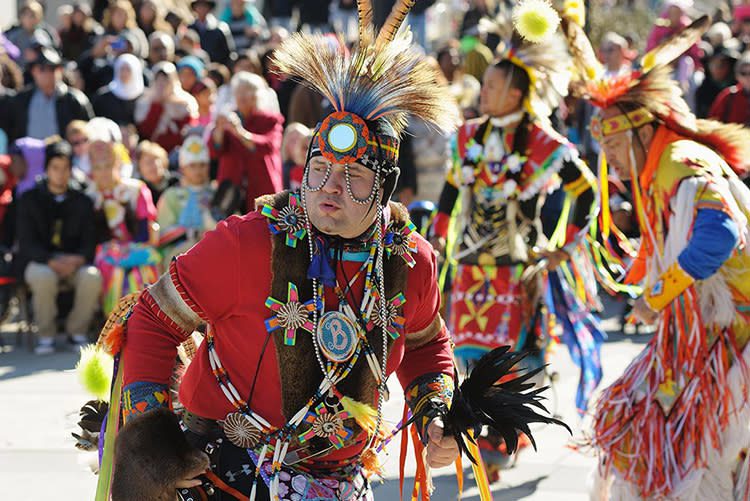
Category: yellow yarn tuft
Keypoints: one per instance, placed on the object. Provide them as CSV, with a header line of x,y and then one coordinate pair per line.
x,y
364,414
95,371
535,20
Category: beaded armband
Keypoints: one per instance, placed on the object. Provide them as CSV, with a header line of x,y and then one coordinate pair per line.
x,y
141,397
428,397
671,284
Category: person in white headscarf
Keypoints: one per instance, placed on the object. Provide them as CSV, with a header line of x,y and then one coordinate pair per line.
x,y
116,101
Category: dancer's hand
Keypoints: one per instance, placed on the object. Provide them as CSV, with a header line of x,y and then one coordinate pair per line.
x,y
643,312
441,451
554,258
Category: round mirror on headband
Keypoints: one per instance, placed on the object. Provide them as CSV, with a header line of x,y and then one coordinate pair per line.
x,y
343,137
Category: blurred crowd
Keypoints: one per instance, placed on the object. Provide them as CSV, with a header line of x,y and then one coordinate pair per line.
x,y
128,129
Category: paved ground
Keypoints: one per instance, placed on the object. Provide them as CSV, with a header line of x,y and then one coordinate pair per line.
x,y
40,396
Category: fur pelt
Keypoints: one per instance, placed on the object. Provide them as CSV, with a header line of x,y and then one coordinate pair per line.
x,y
290,265
151,456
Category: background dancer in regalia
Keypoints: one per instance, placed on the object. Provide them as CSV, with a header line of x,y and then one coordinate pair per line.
x,y
675,424
507,287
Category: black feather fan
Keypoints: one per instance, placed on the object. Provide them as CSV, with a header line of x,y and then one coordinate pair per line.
x,y
498,395
92,415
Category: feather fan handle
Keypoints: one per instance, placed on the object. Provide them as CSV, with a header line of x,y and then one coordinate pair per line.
x,y
364,11
500,395
393,23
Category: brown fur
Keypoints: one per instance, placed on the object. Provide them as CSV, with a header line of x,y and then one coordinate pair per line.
x,y
151,456
300,374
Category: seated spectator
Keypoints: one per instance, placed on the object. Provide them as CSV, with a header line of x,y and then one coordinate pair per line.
x,y
81,34
204,92
190,69
27,155
6,98
104,127
56,243
733,103
294,148
720,75
9,174
614,53
117,100
78,137
245,23
718,34
151,18
314,16
248,60
189,44
216,39
247,143
123,217
119,21
177,21
164,109
221,76
306,106
45,108
161,48
184,212
11,77
32,29
741,24
152,161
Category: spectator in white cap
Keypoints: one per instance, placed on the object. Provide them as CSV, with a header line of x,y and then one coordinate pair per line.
x,y
184,212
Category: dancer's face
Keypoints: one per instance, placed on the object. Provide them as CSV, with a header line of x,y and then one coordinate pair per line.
x,y
331,209
497,98
617,147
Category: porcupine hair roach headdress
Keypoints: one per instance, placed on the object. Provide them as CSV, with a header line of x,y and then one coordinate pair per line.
x,y
529,40
372,91
648,93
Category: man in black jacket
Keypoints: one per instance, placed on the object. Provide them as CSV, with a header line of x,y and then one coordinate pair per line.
x,y
46,107
216,39
56,245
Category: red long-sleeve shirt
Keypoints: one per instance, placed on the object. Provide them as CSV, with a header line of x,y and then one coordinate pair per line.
x,y
259,169
732,105
169,138
226,279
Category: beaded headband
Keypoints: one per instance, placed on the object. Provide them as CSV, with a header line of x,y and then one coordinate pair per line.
x,y
603,127
344,138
